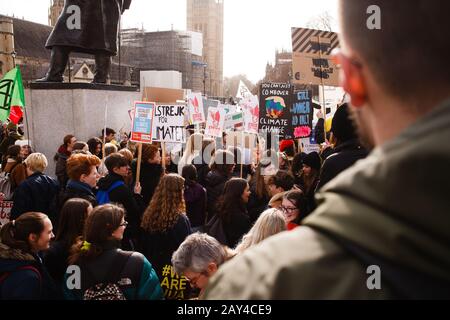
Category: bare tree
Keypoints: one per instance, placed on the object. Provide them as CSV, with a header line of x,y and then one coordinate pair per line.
x,y
323,21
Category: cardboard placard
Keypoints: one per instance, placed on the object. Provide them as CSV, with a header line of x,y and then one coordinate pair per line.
x,y
215,123
302,114
5,212
195,107
250,107
141,127
169,123
311,57
162,95
275,109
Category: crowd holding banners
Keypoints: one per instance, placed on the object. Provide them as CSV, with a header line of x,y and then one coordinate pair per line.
x,y
355,219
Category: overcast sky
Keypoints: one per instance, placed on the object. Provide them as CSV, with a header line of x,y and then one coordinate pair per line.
x,y
254,29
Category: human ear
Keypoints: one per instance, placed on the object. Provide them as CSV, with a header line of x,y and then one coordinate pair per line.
x,y
353,81
212,268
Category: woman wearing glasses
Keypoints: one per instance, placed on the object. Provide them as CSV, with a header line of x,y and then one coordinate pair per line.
x,y
102,262
295,208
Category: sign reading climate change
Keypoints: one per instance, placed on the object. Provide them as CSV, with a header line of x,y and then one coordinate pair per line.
x,y
275,109
168,124
142,122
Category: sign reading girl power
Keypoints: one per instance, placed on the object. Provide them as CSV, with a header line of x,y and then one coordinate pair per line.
x,y
302,114
142,122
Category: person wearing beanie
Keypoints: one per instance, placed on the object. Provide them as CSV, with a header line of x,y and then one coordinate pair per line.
x,y
309,178
287,146
347,150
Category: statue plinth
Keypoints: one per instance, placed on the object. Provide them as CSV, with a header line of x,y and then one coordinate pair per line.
x,y
80,86
57,109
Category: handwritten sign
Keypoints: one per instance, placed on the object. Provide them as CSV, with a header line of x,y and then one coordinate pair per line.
x,y
168,123
5,212
142,122
250,107
302,114
275,109
215,123
195,107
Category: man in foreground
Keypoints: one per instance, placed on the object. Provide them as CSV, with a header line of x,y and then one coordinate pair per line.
x,y
380,230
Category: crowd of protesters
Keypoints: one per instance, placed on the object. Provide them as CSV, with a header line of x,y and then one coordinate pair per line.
x,y
152,218
306,229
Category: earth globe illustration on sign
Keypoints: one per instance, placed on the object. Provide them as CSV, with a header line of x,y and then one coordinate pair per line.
x,y
275,107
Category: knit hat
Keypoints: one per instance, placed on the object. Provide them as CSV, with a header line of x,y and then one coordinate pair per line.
x,y
342,127
284,144
312,160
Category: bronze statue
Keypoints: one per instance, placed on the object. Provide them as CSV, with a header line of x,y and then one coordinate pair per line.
x,y
86,26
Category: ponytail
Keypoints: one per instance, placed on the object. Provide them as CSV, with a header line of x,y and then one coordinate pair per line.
x,y
15,234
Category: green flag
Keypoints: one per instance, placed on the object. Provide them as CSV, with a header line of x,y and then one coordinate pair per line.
x,y
12,97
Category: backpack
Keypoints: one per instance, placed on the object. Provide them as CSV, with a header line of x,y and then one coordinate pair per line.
x,y
6,185
108,288
5,275
103,196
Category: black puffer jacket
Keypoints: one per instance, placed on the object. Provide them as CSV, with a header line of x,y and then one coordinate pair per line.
x,y
37,193
149,179
342,158
215,183
133,203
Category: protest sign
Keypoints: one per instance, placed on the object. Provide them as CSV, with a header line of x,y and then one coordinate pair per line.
x,y
169,123
309,146
209,103
275,109
215,123
195,107
302,114
242,91
234,121
5,212
250,107
311,57
142,122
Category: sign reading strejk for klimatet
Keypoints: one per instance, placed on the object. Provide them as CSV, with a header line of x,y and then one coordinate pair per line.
x,y
143,122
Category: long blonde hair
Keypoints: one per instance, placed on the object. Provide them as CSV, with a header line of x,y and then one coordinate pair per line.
x,y
270,222
166,206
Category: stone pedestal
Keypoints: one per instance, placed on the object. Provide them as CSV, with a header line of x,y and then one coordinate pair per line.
x,y
55,110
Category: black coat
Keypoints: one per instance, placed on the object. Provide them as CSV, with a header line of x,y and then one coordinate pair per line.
x,y
55,260
235,226
215,184
77,190
202,169
61,169
158,247
99,26
256,205
38,193
343,157
149,179
26,277
133,203
195,198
